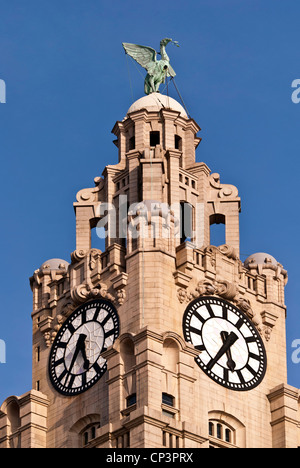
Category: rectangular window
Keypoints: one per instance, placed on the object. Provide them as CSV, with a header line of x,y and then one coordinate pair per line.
x,y
167,399
131,400
154,138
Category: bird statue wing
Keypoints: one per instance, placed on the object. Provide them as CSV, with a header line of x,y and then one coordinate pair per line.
x,y
143,55
171,71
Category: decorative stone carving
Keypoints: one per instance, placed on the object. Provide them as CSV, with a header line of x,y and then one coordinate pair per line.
x,y
225,249
225,190
121,296
78,255
90,195
83,292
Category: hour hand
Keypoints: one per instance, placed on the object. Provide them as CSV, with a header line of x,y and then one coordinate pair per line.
x,y
230,363
229,341
80,348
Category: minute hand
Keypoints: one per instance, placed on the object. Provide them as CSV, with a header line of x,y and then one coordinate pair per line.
x,y
228,343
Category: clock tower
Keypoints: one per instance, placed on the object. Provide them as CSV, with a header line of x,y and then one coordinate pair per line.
x,y
153,337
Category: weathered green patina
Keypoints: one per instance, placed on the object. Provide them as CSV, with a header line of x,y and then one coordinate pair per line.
x,y
157,70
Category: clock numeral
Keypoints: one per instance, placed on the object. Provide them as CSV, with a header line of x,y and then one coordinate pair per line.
x,y
225,312
97,368
83,316
109,333
210,311
62,375
240,376
239,323
62,345
254,356
59,362
250,339
71,328
252,371
70,384
195,330
199,317
200,347
105,320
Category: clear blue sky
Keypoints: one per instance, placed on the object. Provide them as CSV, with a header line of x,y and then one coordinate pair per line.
x,y
67,84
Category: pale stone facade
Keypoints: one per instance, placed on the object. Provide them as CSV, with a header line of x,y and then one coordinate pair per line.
x,y
151,280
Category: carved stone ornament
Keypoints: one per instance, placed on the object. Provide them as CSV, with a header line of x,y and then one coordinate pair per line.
x,y
225,190
83,292
90,195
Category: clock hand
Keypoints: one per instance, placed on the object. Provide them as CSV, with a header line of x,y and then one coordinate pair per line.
x,y
231,339
80,347
230,363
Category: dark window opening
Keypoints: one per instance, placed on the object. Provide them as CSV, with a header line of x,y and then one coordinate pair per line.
x,y
186,222
131,143
131,400
178,142
167,399
154,138
228,435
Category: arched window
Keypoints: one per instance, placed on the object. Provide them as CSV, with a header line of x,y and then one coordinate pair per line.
x,y
89,434
13,414
220,434
127,355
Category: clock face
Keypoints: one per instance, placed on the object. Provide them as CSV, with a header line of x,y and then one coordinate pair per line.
x,y
231,351
75,363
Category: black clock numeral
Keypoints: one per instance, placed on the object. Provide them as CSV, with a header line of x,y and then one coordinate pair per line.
x,y
225,313
239,323
62,345
105,320
254,356
70,383
252,371
71,328
97,368
83,317
200,347
240,376
59,362
108,333
195,330
62,375
210,311
250,339
199,317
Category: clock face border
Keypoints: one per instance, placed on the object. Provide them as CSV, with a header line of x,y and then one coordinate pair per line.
x,y
96,303
211,300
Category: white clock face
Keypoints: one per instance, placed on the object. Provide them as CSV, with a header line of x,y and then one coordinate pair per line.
x,y
75,362
231,351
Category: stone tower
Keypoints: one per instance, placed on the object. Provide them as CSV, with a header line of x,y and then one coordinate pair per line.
x,y
195,353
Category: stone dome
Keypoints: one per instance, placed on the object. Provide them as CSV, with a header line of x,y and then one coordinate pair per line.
x,y
154,102
260,258
55,264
